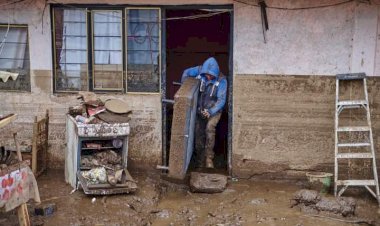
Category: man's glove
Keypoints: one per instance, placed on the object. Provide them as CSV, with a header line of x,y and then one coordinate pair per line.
x,y
205,113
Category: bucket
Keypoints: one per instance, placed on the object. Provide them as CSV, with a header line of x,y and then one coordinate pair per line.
x,y
319,181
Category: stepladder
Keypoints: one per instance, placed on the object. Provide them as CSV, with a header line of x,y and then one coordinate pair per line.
x,y
355,161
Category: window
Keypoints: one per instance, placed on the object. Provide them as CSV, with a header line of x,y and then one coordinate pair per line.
x,y
143,50
14,58
70,54
107,51
114,49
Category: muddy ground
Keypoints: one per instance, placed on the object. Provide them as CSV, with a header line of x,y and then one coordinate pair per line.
x,y
244,202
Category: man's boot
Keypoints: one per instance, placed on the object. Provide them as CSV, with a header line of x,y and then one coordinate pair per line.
x,y
209,163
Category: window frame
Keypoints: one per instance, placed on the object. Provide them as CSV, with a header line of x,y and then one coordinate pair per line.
x,y
90,47
123,74
54,48
159,49
28,46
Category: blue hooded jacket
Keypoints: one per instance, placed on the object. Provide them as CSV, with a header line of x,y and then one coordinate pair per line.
x,y
214,96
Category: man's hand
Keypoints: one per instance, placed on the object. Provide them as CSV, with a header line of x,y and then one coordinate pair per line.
x,y
205,113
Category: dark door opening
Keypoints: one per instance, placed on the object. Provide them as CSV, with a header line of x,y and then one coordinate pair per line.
x,y
189,42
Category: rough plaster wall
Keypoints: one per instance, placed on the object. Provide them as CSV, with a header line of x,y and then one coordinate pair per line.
x,y
39,33
145,139
377,53
364,40
316,41
285,124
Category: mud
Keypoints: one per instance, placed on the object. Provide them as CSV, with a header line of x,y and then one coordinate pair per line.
x,y
157,202
312,201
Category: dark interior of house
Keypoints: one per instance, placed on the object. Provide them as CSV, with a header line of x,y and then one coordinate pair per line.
x,y
189,42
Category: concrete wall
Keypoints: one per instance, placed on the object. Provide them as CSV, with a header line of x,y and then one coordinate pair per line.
x,y
284,92
145,139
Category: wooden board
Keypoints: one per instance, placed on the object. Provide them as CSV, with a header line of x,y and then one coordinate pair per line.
x,y
8,119
182,133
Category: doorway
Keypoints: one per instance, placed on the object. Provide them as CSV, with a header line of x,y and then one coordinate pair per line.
x,y
188,43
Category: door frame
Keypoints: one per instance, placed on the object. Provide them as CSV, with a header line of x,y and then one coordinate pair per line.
x,y
229,78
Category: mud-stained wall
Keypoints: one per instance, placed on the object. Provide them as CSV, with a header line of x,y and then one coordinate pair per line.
x,y
145,138
284,125
284,89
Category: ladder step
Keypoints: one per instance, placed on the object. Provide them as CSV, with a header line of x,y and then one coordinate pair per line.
x,y
352,103
353,145
356,182
354,155
354,129
351,76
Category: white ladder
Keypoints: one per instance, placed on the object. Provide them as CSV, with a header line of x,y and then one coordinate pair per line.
x,y
350,104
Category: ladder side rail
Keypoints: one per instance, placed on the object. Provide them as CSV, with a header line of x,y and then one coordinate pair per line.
x,y
336,137
371,140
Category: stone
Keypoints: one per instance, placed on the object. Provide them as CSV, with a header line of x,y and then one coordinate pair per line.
x,y
45,210
163,214
307,196
342,205
207,183
326,204
258,201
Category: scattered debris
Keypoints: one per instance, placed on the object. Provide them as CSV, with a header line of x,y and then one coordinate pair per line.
x,y
92,110
72,191
96,175
357,221
258,201
93,200
207,183
310,201
45,209
163,214
308,197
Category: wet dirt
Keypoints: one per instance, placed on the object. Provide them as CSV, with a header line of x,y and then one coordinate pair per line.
x,y
244,202
247,202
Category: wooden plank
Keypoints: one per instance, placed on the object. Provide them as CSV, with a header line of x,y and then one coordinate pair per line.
x,y
23,215
8,119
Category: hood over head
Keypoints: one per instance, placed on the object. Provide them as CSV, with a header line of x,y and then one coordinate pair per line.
x,y
210,66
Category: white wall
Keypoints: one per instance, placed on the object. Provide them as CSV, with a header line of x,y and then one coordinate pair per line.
x,y
322,41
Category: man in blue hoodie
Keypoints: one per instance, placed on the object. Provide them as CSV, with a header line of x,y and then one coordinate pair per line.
x,y
211,100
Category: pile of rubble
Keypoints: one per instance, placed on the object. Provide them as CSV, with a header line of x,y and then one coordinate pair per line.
x,y
310,201
93,110
108,159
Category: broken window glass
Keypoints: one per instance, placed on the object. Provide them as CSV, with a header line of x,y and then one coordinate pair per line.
x,y
143,50
108,48
70,38
14,58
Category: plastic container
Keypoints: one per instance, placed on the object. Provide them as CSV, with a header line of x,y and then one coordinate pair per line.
x,y
320,181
